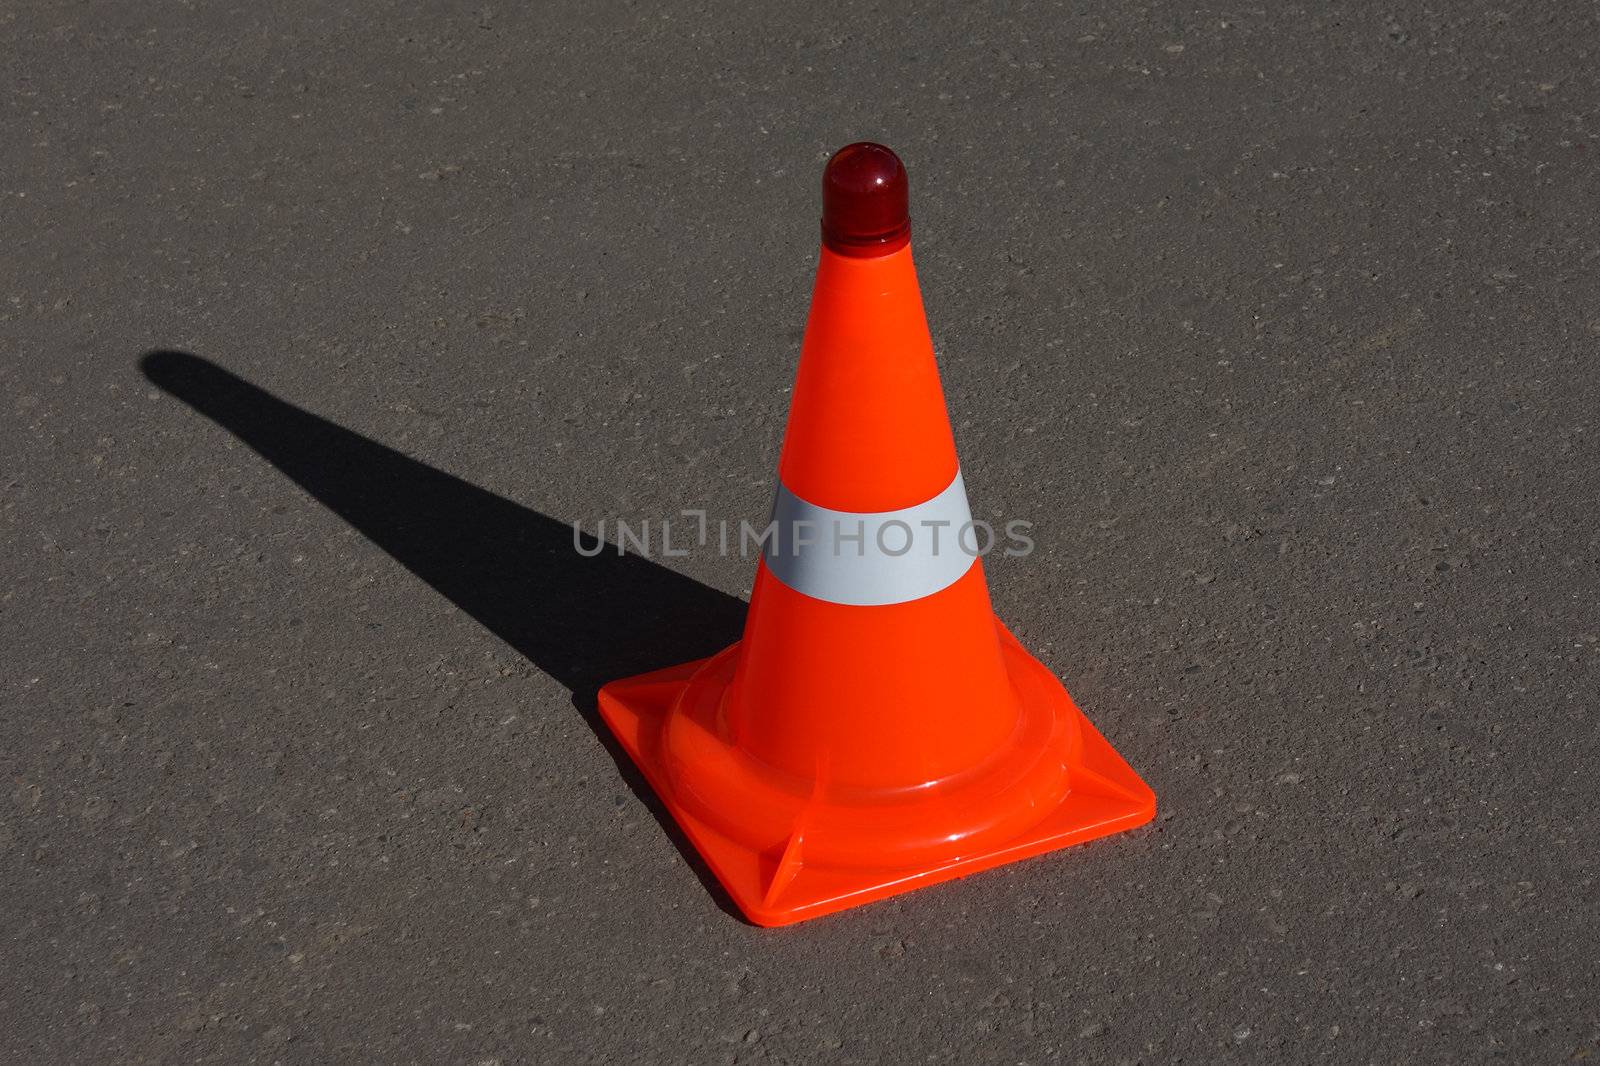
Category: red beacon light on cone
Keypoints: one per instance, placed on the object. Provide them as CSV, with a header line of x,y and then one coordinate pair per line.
x,y
866,201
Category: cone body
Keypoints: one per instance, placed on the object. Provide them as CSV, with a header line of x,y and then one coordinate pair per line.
x,y
883,697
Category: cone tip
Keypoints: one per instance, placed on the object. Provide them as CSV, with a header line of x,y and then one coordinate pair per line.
x,y
865,201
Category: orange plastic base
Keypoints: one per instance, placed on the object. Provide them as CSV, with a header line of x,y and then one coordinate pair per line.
x,y
784,857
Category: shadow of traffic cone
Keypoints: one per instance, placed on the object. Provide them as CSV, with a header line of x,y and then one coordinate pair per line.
x,y
876,729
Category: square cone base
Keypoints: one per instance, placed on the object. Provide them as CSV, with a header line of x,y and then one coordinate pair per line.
x,y
1107,797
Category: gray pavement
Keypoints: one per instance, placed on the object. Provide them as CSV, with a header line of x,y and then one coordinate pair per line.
x,y
1280,322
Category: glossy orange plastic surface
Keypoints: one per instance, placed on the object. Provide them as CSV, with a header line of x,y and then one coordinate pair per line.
x,y
839,754
867,425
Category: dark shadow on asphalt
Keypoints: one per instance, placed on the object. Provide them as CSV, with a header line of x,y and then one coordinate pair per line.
x,y
584,621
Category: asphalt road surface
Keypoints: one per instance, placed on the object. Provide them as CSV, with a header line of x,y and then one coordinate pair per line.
x,y
320,329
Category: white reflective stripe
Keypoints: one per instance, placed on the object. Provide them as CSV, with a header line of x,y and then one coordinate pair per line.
x,y
867,559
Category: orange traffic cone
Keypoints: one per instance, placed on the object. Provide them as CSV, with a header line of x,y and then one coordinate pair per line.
x,y
877,728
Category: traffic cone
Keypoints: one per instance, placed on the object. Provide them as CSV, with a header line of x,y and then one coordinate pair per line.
x,y
877,728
